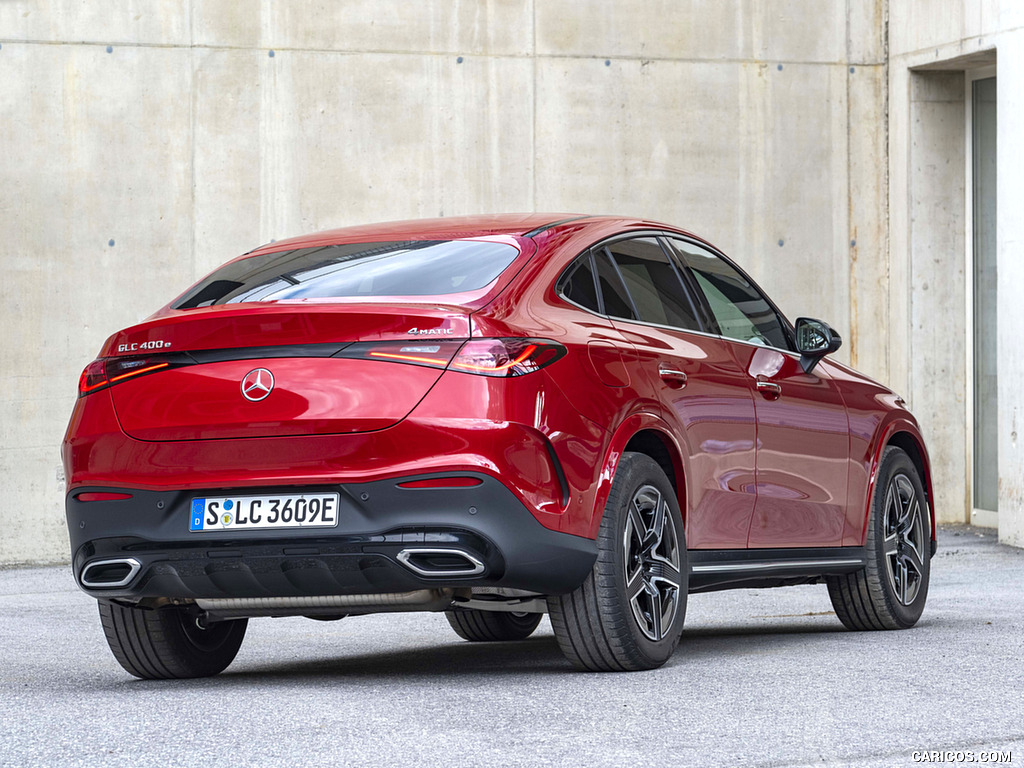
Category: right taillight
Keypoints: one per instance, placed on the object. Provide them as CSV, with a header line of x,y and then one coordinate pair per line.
x,y
435,354
484,357
506,357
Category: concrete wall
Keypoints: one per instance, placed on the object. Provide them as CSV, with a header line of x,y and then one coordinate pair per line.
x,y
145,142
931,46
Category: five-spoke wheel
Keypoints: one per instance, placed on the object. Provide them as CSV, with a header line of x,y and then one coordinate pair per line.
x,y
890,591
651,553
629,612
905,540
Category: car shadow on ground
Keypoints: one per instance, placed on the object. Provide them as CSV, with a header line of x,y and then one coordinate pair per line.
x,y
534,657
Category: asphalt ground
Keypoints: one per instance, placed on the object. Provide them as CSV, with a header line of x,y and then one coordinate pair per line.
x,y
761,678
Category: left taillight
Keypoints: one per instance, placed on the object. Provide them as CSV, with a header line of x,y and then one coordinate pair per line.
x,y
93,377
105,372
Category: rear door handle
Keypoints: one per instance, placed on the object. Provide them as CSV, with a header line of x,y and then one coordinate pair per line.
x,y
673,377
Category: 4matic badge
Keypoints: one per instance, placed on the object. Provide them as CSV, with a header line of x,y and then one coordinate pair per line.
x,y
430,331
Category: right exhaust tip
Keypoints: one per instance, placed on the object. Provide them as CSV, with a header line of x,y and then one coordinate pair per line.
x,y
441,562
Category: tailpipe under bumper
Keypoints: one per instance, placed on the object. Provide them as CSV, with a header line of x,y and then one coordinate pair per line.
x,y
110,574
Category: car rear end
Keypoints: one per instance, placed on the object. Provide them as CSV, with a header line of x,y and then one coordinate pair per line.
x,y
317,430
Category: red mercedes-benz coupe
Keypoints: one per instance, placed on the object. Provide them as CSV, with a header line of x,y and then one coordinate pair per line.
x,y
494,417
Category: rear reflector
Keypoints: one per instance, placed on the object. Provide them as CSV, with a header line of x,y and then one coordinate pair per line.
x,y
102,496
443,482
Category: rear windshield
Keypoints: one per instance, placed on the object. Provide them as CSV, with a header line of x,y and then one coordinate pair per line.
x,y
412,268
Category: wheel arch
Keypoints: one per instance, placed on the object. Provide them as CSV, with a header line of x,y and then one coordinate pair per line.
x,y
647,434
907,437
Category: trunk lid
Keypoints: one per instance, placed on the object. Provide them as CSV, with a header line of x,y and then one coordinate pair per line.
x,y
299,365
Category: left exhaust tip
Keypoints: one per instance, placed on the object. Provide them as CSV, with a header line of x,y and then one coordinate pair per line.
x,y
110,573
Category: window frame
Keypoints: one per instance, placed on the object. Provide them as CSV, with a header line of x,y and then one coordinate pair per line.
x,y
787,328
569,272
706,317
684,283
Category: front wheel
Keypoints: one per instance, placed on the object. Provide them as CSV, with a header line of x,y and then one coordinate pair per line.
x,y
168,643
891,589
628,614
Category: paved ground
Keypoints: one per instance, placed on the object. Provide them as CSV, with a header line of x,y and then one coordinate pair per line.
x,y
762,678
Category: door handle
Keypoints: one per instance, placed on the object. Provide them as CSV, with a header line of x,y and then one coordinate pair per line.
x,y
673,377
769,389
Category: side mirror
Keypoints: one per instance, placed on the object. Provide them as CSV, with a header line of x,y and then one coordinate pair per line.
x,y
814,340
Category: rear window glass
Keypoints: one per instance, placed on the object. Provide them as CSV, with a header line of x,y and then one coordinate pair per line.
x,y
413,268
578,286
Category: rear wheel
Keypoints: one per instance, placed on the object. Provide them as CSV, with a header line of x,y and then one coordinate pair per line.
x,y
488,626
890,591
169,642
628,614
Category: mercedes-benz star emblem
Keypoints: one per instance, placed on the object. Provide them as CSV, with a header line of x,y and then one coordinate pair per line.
x,y
257,384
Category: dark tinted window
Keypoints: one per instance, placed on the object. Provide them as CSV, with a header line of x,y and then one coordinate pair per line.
x,y
416,268
577,284
613,292
740,309
653,283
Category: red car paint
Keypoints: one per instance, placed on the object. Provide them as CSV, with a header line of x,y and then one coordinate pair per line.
x,y
751,469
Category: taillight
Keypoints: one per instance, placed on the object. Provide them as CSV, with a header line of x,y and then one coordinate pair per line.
x,y
506,357
435,354
106,372
484,357
93,377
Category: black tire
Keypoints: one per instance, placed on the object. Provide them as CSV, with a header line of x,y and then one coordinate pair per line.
x,y
167,643
489,626
598,627
890,591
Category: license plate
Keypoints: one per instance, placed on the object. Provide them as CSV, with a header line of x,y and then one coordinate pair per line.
x,y
306,510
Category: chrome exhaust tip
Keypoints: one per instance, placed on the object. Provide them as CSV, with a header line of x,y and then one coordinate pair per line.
x,y
110,574
440,562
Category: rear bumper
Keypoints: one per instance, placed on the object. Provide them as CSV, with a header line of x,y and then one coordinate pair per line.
x,y
519,429
500,543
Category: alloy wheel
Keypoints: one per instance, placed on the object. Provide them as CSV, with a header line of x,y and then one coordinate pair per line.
x,y
905,538
652,570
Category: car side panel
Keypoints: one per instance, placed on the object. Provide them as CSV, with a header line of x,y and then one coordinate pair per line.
x,y
803,454
875,413
713,415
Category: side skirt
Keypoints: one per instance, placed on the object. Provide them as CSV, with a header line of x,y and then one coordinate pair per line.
x,y
714,569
